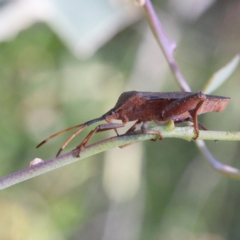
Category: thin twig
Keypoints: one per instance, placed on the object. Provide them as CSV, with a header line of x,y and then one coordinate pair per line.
x,y
167,45
167,131
223,169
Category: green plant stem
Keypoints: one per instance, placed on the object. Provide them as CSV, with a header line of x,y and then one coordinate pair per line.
x,y
165,43
168,131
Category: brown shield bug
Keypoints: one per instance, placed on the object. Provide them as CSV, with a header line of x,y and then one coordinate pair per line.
x,y
143,107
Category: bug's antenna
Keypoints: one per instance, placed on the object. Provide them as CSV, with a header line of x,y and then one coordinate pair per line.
x,y
82,126
56,134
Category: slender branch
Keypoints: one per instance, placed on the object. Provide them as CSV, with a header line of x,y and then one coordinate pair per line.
x,y
167,45
167,131
223,169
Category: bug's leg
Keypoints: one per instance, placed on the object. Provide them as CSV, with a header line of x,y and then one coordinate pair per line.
x,y
194,117
99,128
202,126
199,124
191,104
144,130
131,129
82,127
134,126
147,131
189,119
115,130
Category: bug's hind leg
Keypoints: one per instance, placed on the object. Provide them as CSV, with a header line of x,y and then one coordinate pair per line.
x,y
194,114
191,104
189,119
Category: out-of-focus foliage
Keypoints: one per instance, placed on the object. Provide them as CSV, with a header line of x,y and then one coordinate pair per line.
x,y
151,190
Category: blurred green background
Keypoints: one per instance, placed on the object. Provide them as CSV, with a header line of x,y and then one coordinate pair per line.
x,y
150,190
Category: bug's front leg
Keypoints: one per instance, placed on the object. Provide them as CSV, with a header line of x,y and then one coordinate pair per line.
x,y
190,104
99,128
148,131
